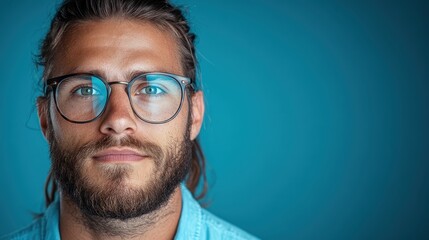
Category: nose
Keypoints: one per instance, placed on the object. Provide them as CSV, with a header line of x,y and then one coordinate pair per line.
x,y
118,117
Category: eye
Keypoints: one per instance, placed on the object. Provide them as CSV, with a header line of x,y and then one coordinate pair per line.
x,y
151,90
86,91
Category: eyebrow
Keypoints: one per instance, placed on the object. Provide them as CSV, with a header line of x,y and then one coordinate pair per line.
x,y
128,75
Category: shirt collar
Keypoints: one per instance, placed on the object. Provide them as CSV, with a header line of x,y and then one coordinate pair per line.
x,y
190,218
52,218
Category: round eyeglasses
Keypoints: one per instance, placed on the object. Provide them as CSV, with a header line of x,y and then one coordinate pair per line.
x,y
155,97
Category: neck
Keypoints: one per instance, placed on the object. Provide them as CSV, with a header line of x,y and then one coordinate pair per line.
x,y
160,224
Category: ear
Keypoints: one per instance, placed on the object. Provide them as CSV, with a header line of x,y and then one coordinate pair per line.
x,y
197,113
42,111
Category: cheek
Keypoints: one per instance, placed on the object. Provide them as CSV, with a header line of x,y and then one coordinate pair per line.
x,y
179,124
163,134
69,133
170,131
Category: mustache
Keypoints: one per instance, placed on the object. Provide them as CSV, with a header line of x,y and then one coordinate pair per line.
x,y
149,148
91,148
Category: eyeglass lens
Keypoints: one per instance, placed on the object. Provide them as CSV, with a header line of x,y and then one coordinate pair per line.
x,y
153,97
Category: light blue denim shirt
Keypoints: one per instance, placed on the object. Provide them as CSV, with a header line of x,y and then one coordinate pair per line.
x,y
195,223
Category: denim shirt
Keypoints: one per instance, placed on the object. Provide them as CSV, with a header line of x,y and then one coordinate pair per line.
x,y
194,223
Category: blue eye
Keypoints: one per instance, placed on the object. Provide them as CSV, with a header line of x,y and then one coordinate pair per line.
x,y
87,91
151,90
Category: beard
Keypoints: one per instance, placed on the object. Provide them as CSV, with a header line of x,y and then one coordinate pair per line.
x,y
114,199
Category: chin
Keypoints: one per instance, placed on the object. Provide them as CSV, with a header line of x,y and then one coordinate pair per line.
x,y
127,176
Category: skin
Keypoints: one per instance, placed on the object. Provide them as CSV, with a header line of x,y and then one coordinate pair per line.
x,y
114,49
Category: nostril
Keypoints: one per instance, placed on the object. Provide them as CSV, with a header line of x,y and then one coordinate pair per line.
x,y
110,130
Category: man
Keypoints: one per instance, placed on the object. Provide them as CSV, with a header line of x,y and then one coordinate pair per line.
x,y
121,112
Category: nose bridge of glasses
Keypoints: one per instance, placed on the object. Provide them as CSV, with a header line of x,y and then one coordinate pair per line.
x,y
127,84
115,99
118,82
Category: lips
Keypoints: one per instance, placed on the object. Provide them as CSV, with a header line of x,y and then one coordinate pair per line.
x,y
119,155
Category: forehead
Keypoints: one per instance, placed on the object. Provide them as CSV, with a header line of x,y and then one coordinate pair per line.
x,y
115,47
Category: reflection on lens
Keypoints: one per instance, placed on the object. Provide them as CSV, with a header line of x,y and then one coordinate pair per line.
x,y
81,98
155,97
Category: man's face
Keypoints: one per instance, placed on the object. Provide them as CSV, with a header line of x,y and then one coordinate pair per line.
x,y
119,166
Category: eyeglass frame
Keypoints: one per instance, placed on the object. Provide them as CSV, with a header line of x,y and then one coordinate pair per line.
x,y
52,83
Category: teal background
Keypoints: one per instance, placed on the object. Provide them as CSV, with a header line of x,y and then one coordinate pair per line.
x,y
317,115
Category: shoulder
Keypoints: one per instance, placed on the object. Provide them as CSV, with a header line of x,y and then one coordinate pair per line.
x,y
215,228
44,227
198,223
33,231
